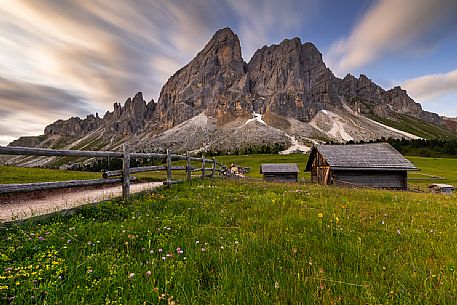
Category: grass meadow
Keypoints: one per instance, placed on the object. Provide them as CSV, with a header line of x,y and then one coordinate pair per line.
x,y
223,241
238,242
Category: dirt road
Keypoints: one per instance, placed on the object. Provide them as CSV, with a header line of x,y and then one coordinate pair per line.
x,y
61,200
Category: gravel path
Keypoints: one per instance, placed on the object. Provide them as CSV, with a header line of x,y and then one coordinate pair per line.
x,y
55,201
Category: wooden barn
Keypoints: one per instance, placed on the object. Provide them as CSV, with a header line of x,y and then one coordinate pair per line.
x,y
280,172
376,165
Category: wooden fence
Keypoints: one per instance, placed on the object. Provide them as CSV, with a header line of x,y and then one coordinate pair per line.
x,y
123,175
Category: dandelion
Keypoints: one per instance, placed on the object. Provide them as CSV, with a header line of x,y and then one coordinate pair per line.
x,y
320,215
131,275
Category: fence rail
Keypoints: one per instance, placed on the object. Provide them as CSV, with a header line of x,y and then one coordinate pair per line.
x,y
122,175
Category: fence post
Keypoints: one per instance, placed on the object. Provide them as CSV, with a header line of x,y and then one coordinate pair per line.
x,y
203,166
188,167
125,172
214,168
168,167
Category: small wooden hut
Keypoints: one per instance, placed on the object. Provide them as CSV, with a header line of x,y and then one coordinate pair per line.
x,y
280,172
439,188
376,165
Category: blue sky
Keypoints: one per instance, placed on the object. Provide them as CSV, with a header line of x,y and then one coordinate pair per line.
x,y
62,58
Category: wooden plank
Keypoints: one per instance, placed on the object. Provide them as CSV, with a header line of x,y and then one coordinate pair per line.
x,y
141,169
188,167
203,167
125,173
41,186
31,151
214,167
168,166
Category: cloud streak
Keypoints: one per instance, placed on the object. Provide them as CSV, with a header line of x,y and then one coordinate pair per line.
x,y
431,86
438,92
393,26
26,108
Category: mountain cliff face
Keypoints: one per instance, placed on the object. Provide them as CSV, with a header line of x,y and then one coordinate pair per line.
x,y
284,95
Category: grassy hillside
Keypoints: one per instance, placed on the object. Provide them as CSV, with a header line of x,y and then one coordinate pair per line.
x,y
238,242
415,126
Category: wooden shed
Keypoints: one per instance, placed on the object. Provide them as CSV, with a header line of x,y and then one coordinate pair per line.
x,y
439,188
280,172
376,165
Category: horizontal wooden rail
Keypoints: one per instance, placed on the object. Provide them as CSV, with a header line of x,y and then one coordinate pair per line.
x,y
208,169
173,157
125,173
141,169
57,153
40,186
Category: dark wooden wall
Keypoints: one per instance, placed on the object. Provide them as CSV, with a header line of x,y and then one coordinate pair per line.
x,y
374,179
280,177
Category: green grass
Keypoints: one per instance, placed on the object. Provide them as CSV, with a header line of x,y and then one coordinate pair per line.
x,y
14,174
416,126
440,167
243,242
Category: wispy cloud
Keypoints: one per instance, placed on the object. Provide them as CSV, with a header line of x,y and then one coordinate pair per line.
x,y
26,108
393,26
431,86
264,21
435,91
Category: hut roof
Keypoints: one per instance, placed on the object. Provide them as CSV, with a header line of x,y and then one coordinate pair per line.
x,y
373,156
279,168
441,186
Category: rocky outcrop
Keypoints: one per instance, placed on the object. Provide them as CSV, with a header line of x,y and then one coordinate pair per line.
x,y
291,79
74,126
31,141
206,83
450,123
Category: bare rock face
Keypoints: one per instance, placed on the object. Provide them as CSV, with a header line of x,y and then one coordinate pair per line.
x,y
450,123
290,79
31,141
74,126
204,83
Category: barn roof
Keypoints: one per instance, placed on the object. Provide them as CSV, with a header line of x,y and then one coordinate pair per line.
x,y
373,156
441,185
279,168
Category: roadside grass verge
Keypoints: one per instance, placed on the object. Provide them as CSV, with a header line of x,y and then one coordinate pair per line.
x,y
238,242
